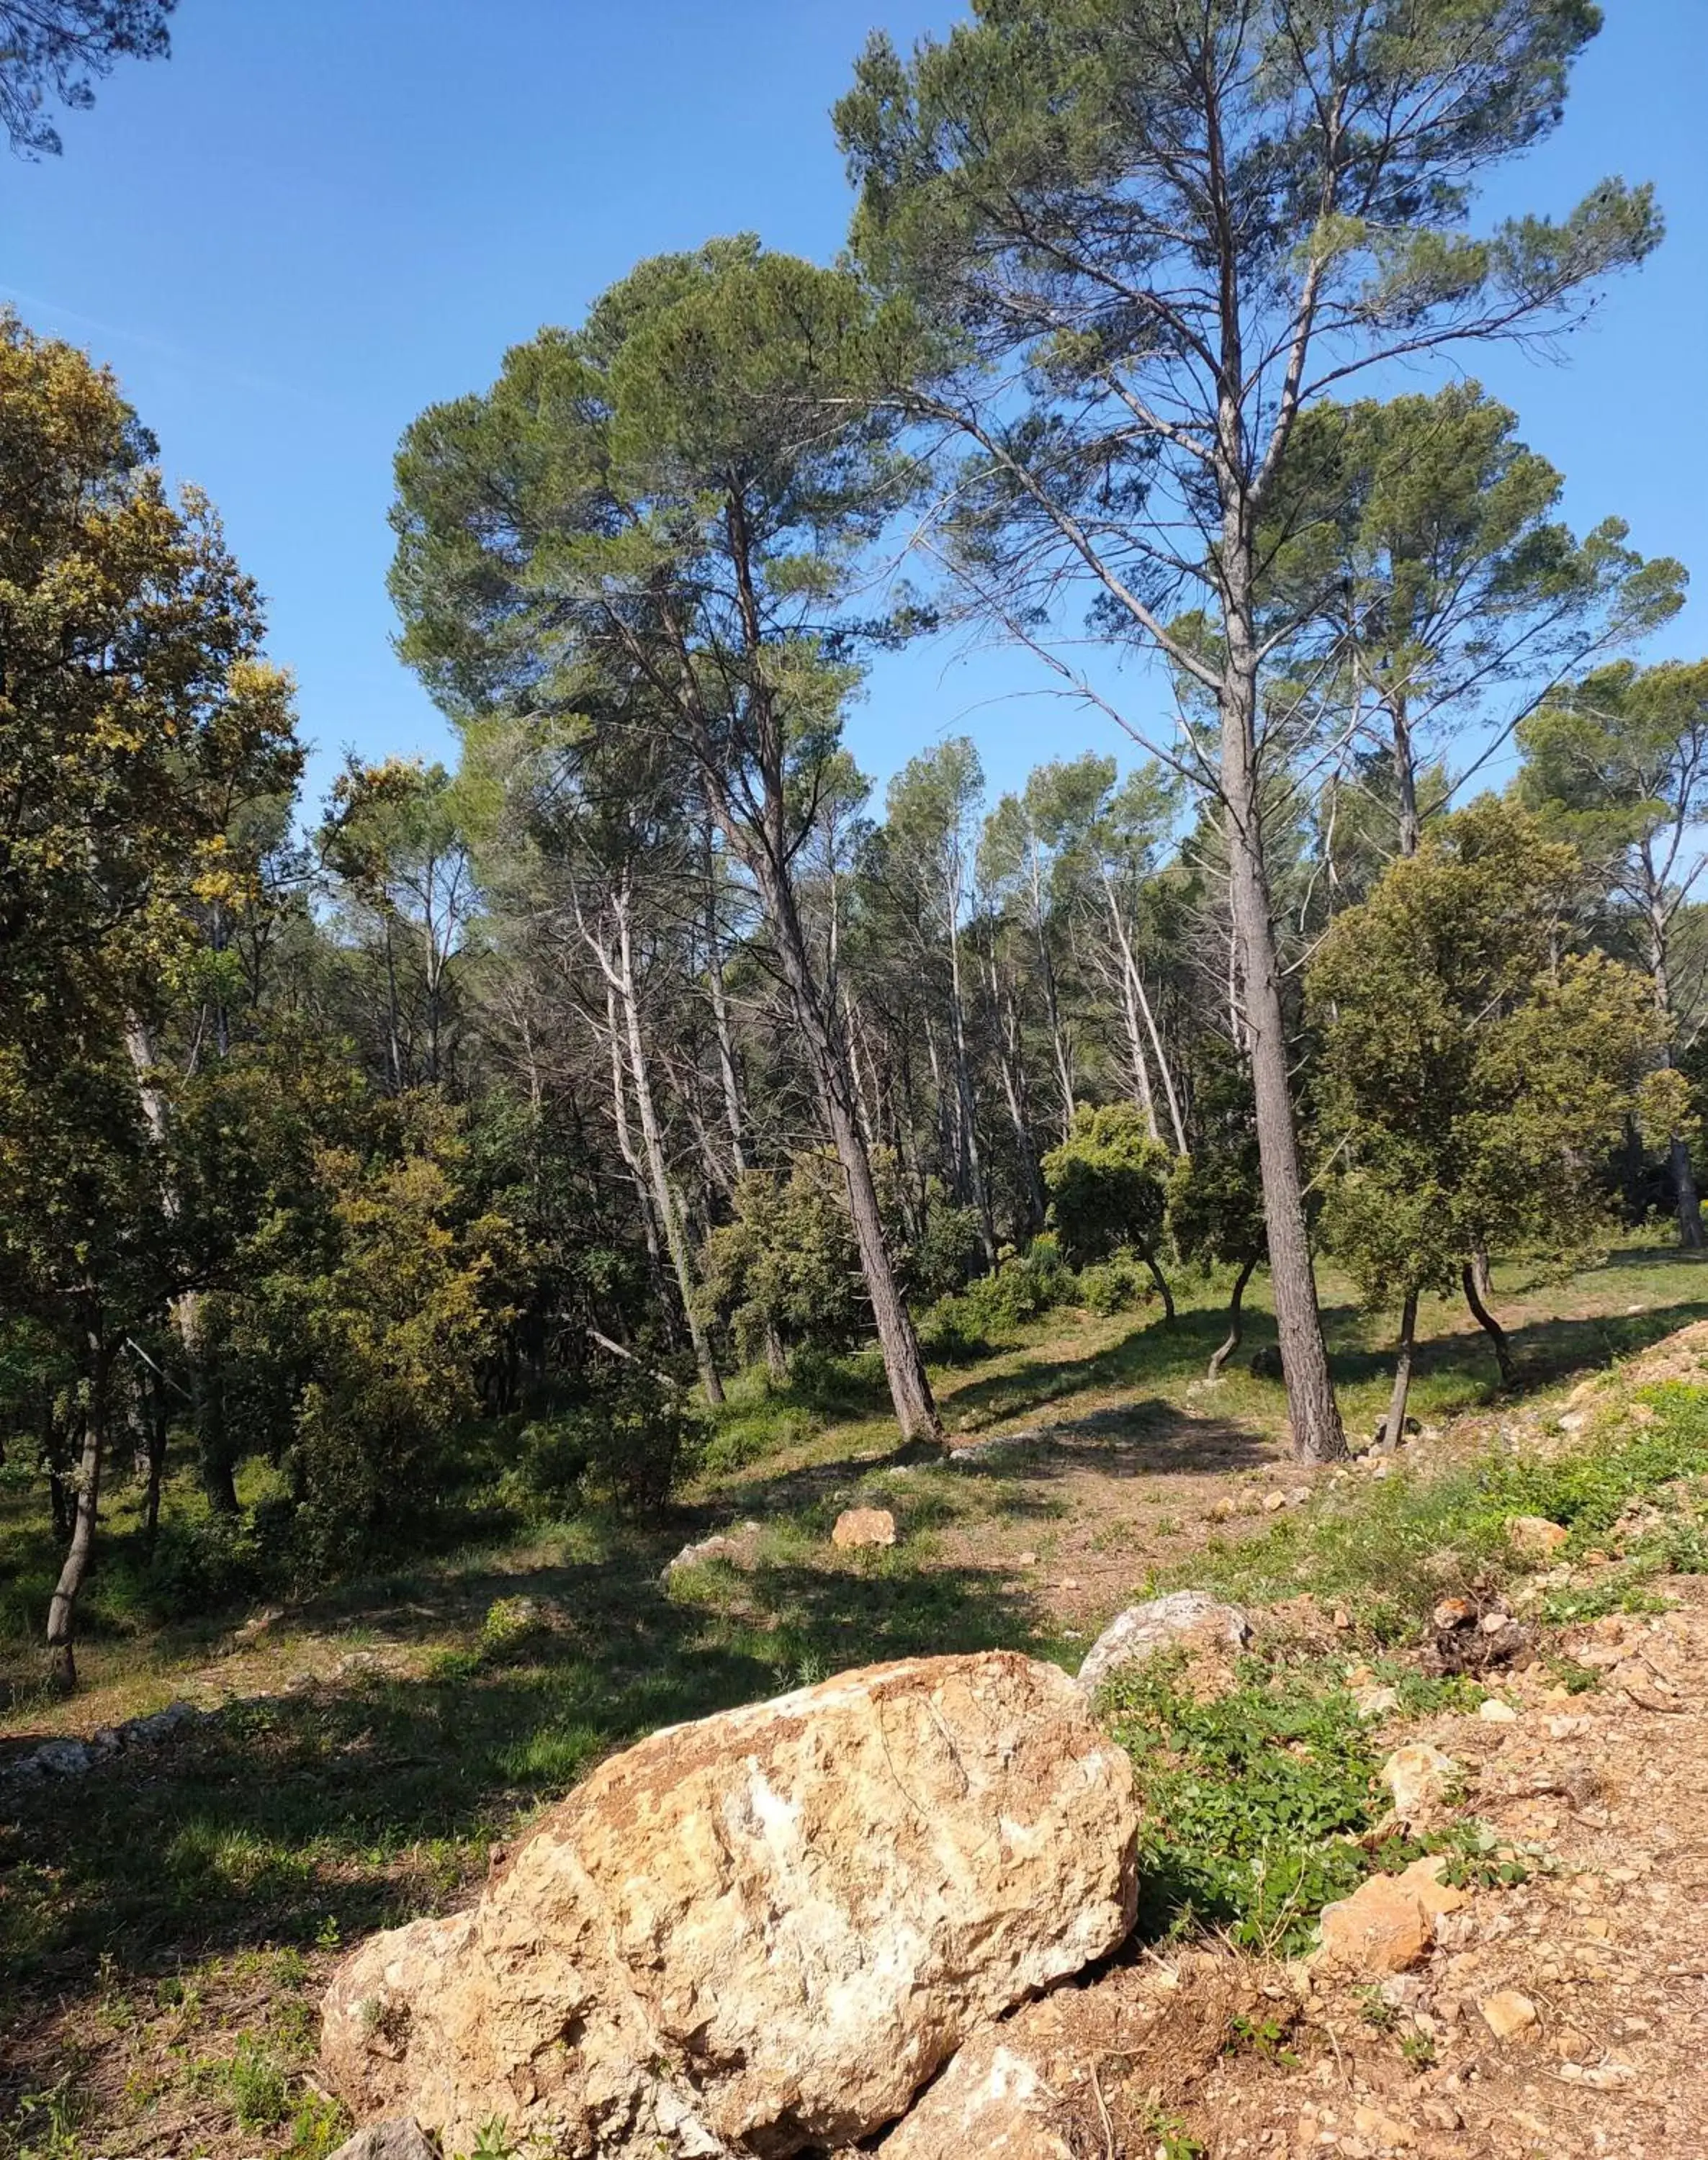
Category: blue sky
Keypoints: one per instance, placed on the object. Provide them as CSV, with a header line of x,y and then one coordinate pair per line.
x,y
319,217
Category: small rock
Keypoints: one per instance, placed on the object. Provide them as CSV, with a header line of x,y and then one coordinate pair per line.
x,y
1384,1926
1274,1503
1298,1495
1610,2077
1420,1778
863,1526
1534,1537
1573,1420
1495,1624
1374,1701
1493,1711
1342,1619
399,2139
1382,1469
1454,1613
1142,1630
1025,1560
1507,2013
1384,2129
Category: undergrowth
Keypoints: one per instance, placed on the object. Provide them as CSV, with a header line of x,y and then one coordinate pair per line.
x,y
1389,1547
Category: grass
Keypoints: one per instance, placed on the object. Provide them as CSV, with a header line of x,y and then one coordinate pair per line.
x,y
210,1892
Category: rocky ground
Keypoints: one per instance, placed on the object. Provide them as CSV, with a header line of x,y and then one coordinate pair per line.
x,y
177,1898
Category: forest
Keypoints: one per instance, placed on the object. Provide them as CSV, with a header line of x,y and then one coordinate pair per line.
x,y
453,1144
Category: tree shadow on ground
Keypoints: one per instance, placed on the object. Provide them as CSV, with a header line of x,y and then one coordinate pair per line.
x,y
1545,1350
325,1812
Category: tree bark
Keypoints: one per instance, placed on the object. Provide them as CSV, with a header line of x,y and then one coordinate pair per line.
x,y
1394,1430
1491,1326
1236,1303
1318,1436
1686,1199
963,1092
62,1609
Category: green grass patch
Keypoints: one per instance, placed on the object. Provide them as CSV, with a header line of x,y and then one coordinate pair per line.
x,y
1250,1804
1387,1548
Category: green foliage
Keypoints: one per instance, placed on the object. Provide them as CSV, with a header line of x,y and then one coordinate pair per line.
x,y
396,1325
1248,1803
1471,1083
1108,1183
787,1264
1024,1286
1387,1549
642,1439
1115,1285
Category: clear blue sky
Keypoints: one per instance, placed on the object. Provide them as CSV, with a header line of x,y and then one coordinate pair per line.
x,y
318,217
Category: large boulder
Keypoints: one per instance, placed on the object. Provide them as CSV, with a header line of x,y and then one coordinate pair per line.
x,y
772,1926
1188,1619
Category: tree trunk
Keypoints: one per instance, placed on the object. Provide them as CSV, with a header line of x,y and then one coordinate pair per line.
x,y
776,1359
720,1016
904,1362
1483,1268
963,1095
1394,1430
1162,1281
675,1236
156,1411
1046,973
1012,1067
1485,1320
1236,1303
62,1662
1317,1433
1686,1199
1406,780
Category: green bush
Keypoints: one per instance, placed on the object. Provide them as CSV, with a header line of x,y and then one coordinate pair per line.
x,y
205,1564
1108,1183
643,1439
1116,1285
544,1481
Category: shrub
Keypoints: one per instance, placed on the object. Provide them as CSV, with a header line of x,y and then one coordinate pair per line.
x,y
1116,1285
643,1440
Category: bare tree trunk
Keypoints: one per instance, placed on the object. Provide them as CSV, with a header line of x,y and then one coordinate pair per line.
x,y
1014,1088
1406,779
1394,1430
62,1663
1317,1433
720,1016
1162,1281
1482,1270
675,1236
1236,1304
1046,975
1130,1008
625,1138
1492,1327
963,1092
904,1362
1686,1199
